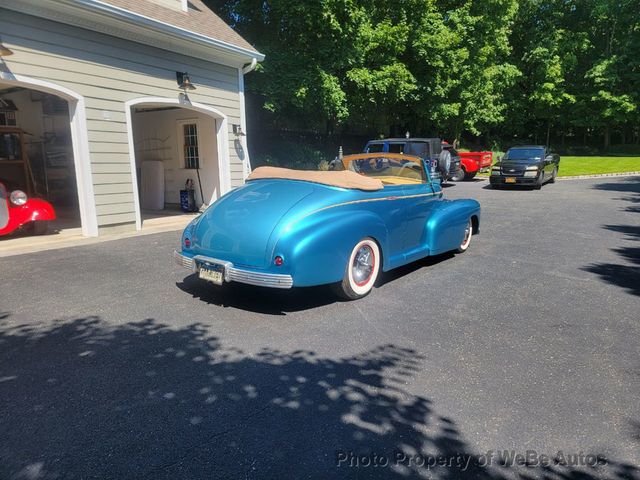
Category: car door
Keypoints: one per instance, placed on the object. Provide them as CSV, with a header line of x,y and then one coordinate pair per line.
x,y
420,199
548,164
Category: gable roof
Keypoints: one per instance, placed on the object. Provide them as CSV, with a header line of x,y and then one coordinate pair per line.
x,y
199,19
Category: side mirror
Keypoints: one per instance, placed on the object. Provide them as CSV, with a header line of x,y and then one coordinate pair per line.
x,y
549,159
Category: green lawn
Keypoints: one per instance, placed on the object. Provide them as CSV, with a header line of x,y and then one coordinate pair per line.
x,y
570,166
594,165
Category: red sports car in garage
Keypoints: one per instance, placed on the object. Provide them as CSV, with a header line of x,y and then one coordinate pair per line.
x,y
17,210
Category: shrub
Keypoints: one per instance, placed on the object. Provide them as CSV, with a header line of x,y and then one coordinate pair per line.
x,y
628,149
291,154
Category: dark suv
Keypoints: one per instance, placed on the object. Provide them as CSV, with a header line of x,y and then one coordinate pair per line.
x,y
532,165
430,149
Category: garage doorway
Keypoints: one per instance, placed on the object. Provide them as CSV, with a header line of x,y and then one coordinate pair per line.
x,y
45,149
36,151
176,146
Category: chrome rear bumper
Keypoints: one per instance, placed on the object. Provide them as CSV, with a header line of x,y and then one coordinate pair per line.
x,y
233,274
184,261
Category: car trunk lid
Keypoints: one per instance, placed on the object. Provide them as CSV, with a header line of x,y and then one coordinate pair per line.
x,y
238,227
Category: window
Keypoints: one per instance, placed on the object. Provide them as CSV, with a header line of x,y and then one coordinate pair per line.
x,y
524,154
396,148
7,118
190,145
390,171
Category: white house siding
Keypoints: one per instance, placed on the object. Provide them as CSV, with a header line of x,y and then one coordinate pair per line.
x,y
108,71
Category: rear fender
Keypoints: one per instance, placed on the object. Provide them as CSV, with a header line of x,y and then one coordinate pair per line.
x,y
446,225
317,250
469,165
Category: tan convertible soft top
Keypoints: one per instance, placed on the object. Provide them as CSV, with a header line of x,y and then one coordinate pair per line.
x,y
340,178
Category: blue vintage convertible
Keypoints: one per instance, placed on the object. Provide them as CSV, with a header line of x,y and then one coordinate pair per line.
x,y
289,228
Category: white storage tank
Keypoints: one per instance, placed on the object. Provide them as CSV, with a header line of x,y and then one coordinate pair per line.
x,y
152,185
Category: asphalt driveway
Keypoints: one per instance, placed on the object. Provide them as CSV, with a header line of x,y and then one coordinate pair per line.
x,y
114,363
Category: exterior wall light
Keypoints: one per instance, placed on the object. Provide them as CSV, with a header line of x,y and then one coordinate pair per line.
x,y
184,81
237,131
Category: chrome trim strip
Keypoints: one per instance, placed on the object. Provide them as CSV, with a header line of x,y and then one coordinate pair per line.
x,y
376,199
233,274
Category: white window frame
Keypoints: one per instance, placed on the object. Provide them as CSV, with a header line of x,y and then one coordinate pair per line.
x,y
180,143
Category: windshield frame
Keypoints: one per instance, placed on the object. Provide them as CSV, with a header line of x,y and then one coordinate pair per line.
x,y
382,162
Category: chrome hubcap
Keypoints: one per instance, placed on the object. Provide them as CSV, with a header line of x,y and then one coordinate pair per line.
x,y
363,264
467,234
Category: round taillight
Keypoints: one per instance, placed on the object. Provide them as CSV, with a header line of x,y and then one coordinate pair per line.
x,y
187,242
278,261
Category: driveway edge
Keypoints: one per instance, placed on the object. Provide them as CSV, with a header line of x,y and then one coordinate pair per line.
x,y
600,175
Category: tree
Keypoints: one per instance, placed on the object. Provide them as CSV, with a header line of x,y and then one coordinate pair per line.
x,y
544,52
614,77
461,52
448,67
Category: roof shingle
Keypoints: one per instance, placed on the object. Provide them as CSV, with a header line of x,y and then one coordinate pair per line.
x,y
199,19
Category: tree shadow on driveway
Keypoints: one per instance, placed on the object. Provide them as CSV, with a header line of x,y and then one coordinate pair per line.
x,y
622,275
272,301
624,184
83,399
267,301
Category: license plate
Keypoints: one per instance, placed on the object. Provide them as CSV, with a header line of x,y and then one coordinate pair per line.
x,y
212,273
510,180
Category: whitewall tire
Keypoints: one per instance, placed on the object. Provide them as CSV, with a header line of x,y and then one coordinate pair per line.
x,y
466,240
361,271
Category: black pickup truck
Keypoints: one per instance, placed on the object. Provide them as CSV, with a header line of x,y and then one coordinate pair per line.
x,y
527,165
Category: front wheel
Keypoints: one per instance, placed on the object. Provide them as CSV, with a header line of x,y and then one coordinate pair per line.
x,y
466,240
554,175
361,271
538,185
39,227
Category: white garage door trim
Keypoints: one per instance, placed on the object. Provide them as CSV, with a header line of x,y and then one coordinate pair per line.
x,y
222,137
79,140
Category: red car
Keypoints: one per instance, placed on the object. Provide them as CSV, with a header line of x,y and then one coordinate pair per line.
x,y
17,210
470,162
473,162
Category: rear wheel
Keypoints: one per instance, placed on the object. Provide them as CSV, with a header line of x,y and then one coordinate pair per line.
x,y
361,271
459,175
469,176
466,240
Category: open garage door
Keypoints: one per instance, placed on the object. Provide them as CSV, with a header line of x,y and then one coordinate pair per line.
x,y
177,153
36,151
